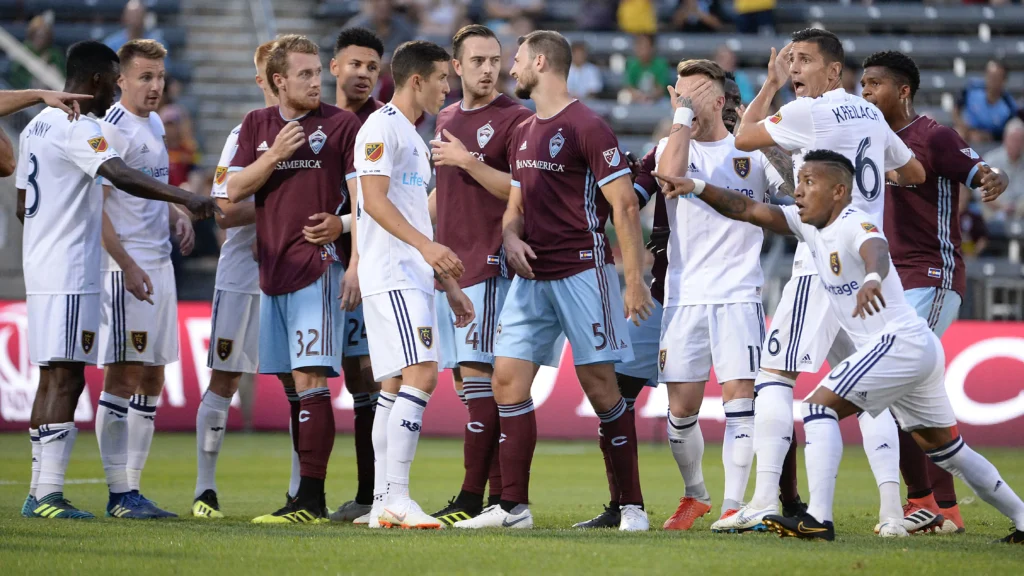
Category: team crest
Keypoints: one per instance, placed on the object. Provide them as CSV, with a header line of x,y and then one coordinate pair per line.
x,y
98,144
555,144
868,227
662,356
741,166
374,151
426,336
88,339
970,153
317,140
776,118
611,156
483,135
834,263
224,347
139,341
220,175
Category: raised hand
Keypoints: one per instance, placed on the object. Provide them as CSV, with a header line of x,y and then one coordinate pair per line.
x,y
444,262
518,253
869,299
288,141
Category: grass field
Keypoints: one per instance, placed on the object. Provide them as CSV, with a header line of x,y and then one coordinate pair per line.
x,y
568,486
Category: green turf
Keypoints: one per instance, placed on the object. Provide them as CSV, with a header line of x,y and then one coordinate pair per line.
x,y
568,486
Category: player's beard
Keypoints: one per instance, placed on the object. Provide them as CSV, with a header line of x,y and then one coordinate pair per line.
x,y
525,84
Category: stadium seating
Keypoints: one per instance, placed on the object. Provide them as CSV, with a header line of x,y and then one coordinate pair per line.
x,y
71,9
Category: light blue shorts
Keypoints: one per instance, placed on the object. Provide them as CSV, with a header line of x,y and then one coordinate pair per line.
x,y
304,328
586,307
936,305
355,334
645,338
473,343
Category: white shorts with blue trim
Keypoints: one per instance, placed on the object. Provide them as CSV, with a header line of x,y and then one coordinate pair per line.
x,y
63,328
401,326
586,307
473,343
234,332
356,344
903,371
938,306
694,337
305,328
132,330
803,328
646,339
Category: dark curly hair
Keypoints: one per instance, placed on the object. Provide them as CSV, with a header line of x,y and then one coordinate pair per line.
x,y
899,66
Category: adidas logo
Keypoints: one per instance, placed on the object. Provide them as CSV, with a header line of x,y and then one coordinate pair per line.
x,y
144,149
998,484
738,436
693,167
787,438
502,439
862,395
216,428
884,446
263,147
523,147
806,359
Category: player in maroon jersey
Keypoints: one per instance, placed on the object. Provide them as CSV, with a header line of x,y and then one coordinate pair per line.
x,y
923,230
471,159
566,280
295,158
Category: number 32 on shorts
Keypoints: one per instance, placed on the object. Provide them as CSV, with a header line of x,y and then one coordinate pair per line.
x,y
314,338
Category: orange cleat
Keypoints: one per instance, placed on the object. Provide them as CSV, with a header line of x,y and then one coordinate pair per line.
x,y
686,514
917,518
954,523
928,503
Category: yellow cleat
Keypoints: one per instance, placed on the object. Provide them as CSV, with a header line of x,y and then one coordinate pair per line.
x,y
206,506
292,513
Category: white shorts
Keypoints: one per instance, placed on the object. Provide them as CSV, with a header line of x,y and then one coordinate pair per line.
x,y
234,332
803,328
132,330
401,326
904,372
62,328
696,336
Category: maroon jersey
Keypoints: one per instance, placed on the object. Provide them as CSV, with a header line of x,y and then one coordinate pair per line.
x,y
560,163
468,216
921,221
311,181
345,242
647,187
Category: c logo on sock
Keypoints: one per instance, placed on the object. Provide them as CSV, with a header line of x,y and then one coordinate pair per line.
x,y
476,427
303,415
619,441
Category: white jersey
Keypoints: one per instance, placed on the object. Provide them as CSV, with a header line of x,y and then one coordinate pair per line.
x,y
851,126
712,259
388,145
57,164
835,251
142,225
237,271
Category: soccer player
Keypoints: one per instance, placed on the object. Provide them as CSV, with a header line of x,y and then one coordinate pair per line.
x,y
803,330
295,158
12,101
61,206
399,260
356,66
898,363
234,326
471,157
924,240
554,238
138,334
733,105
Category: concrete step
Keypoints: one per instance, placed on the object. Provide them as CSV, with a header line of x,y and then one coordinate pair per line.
x,y
227,56
223,73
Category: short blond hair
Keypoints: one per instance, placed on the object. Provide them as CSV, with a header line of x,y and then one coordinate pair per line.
x,y
263,53
277,61
148,49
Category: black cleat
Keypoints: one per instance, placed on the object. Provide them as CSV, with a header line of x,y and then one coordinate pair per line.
x,y
456,511
206,506
794,508
802,526
610,518
1015,537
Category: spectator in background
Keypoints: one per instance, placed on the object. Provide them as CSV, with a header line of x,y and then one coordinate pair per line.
x,y
600,16
973,231
392,28
500,13
985,106
182,150
851,78
637,16
726,58
647,74
754,16
697,16
39,41
438,17
584,77
1009,158
134,20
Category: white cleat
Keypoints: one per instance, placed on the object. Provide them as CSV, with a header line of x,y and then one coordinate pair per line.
x,y
747,519
634,519
496,517
372,518
892,528
409,516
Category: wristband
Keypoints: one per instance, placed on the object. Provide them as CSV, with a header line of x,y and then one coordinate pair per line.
x,y
346,223
698,186
873,276
683,116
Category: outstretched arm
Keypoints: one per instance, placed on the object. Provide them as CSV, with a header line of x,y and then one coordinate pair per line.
x,y
138,184
730,204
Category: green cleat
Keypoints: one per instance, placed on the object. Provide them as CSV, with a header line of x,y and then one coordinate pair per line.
x,y
55,506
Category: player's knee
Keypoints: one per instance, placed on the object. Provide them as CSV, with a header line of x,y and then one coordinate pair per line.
x,y
224,384
122,379
286,380
685,398
152,381
737,389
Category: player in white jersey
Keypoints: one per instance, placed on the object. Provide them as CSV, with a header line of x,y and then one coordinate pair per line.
x,y
898,363
713,311
397,265
803,330
61,206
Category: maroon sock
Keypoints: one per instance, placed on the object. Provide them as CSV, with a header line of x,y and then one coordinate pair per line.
x,y
519,429
317,438
364,408
481,434
788,485
942,484
614,494
494,477
619,428
914,467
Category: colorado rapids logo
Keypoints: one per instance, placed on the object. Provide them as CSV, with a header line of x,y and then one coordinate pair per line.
x,y
555,144
483,135
374,151
224,347
139,341
220,175
317,140
426,336
662,356
741,166
98,144
88,339
834,263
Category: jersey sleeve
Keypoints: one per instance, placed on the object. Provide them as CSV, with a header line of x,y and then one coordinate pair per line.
x,y
375,149
87,147
21,173
792,214
220,177
245,154
858,228
645,185
897,153
792,127
517,136
348,143
600,148
951,157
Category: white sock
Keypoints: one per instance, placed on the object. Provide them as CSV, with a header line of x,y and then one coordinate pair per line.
x,y
211,422
882,446
37,459
737,450
112,435
404,425
379,435
773,433
141,425
958,459
687,443
56,441
823,451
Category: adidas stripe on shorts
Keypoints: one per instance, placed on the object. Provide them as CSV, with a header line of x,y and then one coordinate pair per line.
x,y
401,326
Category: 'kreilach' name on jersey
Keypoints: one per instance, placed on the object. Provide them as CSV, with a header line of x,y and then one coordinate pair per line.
x,y
296,164
540,165
847,112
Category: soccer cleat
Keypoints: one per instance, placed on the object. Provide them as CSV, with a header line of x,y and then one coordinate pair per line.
x,y
409,516
610,518
1015,537
293,513
953,523
496,517
892,528
154,510
350,511
917,519
30,504
455,512
206,506
56,506
129,506
794,508
634,519
686,514
803,526
746,519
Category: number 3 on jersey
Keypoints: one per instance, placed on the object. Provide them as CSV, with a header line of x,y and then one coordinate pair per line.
x,y
33,208
861,167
